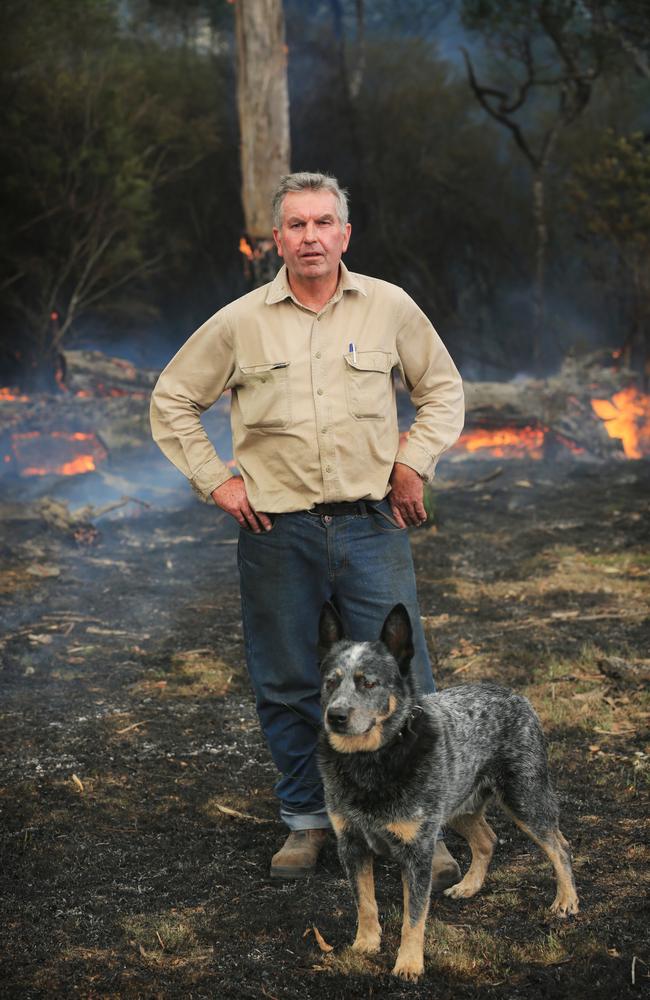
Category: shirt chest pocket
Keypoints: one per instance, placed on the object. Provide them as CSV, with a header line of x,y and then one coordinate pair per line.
x,y
263,394
368,384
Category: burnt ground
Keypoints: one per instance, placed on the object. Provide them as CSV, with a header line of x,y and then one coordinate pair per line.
x,y
128,727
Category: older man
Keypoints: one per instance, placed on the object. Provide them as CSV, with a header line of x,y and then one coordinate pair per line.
x,y
326,490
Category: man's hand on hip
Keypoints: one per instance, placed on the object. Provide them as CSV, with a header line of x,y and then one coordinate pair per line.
x,y
406,497
231,496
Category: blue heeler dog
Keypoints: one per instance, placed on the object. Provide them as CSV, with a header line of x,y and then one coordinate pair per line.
x,y
396,767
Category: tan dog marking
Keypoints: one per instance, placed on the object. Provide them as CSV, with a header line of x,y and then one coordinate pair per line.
x,y
556,848
405,829
410,957
338,822
365,742
368,939
481,838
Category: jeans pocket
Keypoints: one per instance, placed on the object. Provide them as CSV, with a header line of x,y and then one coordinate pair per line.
x,y
383,518
273,518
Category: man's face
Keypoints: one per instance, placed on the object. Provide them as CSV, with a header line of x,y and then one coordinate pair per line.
x,y
311,240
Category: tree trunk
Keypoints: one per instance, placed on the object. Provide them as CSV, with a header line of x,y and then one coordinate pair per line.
x,y
541,245
263,105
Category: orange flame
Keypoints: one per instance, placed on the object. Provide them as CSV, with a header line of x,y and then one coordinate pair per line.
x,y
627,416
506,442
246,248
56,453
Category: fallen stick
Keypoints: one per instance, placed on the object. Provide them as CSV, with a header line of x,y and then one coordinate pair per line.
x,y
236,814
134,725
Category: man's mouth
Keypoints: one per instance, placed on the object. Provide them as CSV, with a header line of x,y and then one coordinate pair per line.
x,y
311,255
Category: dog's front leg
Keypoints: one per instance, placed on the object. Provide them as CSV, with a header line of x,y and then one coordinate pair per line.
x,y
357,860
416,879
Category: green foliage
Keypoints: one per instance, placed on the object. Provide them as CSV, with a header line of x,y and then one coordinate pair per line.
x,y
611,194
97,124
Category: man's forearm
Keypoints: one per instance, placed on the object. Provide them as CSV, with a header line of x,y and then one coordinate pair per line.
x,y
177,430
192,382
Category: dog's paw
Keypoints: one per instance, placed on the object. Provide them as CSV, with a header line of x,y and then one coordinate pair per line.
x,y
367,944
408,968
464,889
565,905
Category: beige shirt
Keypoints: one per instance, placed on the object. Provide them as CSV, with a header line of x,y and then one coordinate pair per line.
x,y
313,411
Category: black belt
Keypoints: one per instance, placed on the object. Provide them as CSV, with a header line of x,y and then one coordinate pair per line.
x,y
337,509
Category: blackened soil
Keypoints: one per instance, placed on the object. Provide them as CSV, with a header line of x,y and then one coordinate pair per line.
x,y
128,726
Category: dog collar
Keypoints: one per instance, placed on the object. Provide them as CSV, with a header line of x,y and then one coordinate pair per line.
x,y
409,719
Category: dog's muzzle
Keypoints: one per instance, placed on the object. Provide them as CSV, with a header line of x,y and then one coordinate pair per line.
x,y
337,719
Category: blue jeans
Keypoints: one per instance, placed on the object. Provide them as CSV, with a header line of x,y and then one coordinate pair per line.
x,y
361,561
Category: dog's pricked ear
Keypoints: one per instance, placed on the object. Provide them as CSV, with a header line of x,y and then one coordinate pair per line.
x,y
330,629
397,635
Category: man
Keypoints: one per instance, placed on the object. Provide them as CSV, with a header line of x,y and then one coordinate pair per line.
x,y
326,490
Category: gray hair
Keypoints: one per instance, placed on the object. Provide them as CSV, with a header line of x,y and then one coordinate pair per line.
x,y
305,181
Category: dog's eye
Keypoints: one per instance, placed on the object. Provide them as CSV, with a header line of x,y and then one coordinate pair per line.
x,y
368,684
330,683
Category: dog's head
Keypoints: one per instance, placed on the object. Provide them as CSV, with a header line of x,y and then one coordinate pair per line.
x,y
367,692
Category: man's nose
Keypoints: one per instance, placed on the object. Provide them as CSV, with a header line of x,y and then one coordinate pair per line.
x,y
310,232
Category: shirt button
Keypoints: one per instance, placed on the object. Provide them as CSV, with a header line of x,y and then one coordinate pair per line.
x,y
317,354
320,392
324,430
328,468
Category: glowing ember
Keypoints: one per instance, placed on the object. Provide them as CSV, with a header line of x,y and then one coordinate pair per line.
x,y
56,453
505,442
12,394
627,416
110,390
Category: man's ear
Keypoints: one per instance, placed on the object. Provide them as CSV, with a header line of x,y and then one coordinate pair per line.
x,y
397,636
330,629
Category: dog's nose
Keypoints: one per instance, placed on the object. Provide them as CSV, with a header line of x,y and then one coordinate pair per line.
x,y
337,716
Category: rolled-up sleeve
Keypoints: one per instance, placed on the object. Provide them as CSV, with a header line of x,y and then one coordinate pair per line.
x,y
436,391
193,380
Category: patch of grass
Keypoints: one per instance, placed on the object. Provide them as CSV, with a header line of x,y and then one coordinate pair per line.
x,y
547,949
562,568
571,692
156,933
13,578
572,706
465,951
260,805
192,673
351,963
585,661
632,561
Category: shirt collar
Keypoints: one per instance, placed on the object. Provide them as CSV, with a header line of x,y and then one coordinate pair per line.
x,y
279,289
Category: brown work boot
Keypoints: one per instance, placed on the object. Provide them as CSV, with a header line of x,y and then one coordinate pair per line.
x,y
445,869
298,854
